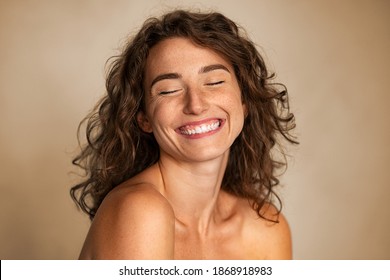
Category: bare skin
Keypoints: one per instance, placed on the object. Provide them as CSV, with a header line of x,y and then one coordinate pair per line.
x,y
137,222
176,209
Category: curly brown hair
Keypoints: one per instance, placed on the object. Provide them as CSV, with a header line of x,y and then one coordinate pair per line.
x,y
117,149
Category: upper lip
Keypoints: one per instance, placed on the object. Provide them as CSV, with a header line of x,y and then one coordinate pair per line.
x,y
200,122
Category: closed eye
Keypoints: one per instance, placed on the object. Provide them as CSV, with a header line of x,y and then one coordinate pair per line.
x,y
215,83
168,91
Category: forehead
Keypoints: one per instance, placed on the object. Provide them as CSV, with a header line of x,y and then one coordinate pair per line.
x,y
180,54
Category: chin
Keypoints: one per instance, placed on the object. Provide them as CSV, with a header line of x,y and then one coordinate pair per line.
x,y
207,155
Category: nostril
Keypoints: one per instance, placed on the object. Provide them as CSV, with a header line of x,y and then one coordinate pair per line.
x,y
195,104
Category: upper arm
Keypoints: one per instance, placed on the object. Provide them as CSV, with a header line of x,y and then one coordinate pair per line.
x,y
136,224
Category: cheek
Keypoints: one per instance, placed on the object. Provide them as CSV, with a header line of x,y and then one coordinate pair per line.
x,y
241,112
241,117
160,114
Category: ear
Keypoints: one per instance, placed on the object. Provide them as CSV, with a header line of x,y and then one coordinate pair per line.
x,y
245,109
144,123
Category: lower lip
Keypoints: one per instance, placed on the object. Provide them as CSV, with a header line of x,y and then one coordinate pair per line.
x,y
201,135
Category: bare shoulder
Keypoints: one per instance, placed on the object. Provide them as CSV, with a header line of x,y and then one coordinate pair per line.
x,y
134,222
140,200
270,240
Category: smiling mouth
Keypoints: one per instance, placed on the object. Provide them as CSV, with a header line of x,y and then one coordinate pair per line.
x,y
200,129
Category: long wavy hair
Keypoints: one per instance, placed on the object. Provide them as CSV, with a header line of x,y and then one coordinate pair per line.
x,y
117,149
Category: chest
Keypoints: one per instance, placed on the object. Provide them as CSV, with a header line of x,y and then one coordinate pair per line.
x,y
219,247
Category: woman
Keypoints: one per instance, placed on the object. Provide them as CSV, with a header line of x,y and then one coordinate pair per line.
x,y
178,160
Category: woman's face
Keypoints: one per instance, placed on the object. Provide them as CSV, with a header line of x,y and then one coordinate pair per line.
x,y
193,101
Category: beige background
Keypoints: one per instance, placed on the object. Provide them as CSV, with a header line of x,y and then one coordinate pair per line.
x,y
332,55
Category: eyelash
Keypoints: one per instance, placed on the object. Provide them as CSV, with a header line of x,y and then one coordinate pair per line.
x,y
173,91
168,92
215,84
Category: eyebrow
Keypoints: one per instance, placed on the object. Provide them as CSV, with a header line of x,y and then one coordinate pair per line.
x,y
213,67
202,70
165,77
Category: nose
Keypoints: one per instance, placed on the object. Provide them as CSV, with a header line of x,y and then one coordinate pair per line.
x,y
195,102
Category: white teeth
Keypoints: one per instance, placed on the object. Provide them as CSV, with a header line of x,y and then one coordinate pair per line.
x,y
204,128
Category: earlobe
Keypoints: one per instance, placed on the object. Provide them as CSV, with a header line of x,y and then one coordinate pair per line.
x,y
245,109
144,123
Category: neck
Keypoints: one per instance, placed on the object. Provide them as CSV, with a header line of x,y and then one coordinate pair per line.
x,y
193,190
